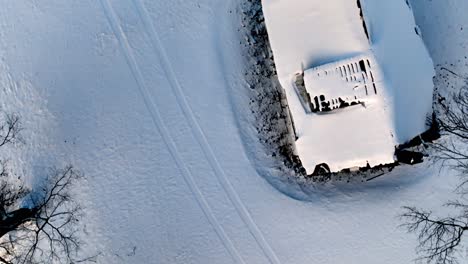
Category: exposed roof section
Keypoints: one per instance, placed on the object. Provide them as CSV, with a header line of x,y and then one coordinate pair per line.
x,y
345,83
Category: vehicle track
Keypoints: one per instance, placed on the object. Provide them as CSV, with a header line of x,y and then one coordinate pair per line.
x,y
200,136
157,120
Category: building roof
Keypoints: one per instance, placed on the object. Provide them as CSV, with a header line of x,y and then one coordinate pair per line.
x,y
310,33
349,125
324,36
344,83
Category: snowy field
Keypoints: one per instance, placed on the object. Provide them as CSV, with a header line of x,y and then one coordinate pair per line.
x,y
140,95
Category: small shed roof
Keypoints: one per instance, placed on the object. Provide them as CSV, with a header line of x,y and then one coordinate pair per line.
x,y
351,125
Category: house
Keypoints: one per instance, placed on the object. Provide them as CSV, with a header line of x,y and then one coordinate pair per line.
x,y
357,77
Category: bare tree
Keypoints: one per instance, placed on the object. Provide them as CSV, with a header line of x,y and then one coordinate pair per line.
x,y
10,127
39,225
453,122
441,237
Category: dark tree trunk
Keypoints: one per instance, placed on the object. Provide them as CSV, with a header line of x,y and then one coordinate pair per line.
x,y
15,219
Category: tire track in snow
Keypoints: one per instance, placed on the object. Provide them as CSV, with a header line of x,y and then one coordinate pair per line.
x,y
200,136
157,120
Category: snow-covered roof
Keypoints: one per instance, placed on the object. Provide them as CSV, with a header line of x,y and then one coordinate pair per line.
x,y
347,82
327,37
311,33
349,124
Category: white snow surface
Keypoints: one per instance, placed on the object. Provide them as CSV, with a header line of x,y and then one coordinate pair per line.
x,y
351,137
140,95
306,34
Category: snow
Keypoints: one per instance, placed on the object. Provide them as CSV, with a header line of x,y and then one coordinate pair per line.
x,y
307,34
350,137
407,66
140,96
311,33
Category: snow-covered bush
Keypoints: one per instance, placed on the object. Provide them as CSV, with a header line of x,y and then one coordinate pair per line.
x,y
268,102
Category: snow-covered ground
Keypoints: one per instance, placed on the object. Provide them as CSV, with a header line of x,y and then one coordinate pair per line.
x,y
140,95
